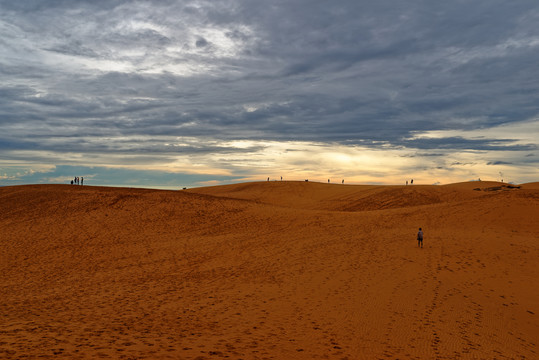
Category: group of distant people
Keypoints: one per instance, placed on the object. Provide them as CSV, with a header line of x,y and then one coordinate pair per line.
x,y
77,181
342,182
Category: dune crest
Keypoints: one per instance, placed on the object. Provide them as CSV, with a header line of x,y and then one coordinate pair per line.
x,y
270,270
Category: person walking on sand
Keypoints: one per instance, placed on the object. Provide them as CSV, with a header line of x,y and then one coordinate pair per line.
x,y
420,238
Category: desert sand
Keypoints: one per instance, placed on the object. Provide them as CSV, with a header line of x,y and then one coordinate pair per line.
x,y
270,270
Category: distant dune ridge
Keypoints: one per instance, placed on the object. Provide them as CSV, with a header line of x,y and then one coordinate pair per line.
x,y
270,270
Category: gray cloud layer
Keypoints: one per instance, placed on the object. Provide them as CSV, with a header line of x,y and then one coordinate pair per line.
x,y
77,73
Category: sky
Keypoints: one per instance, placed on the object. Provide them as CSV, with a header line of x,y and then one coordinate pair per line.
x,y
173,94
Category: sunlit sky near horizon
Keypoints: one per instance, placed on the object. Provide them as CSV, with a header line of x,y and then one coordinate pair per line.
x,y
172,94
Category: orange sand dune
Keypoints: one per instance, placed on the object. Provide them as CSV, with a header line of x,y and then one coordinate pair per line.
x,y
271,270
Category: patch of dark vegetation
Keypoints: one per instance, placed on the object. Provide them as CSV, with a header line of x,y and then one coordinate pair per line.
x,y
499,188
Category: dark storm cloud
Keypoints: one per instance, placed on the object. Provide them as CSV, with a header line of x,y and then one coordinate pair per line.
x,y
453,143
75,48
350,72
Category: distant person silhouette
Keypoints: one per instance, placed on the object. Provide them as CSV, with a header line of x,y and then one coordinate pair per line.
x,y
81,180
412,182
343,181
420,238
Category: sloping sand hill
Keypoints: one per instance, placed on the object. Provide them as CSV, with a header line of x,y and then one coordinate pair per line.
x,y
270,270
